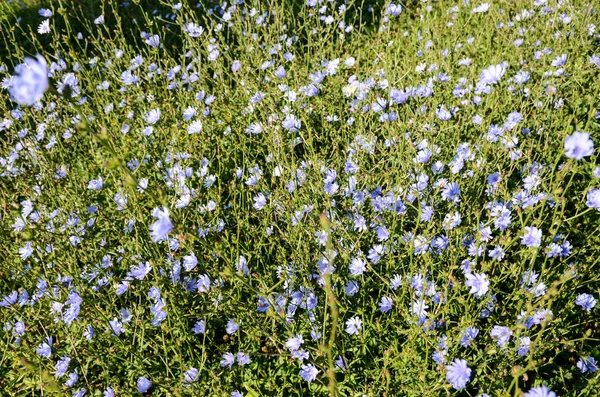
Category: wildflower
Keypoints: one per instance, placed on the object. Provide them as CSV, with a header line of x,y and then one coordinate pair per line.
x,y
479,284
232,327
46,13
541,391
458,374
26,251
243,359
116,326
62,365
73,378
353,325
523,348
259,201
357,267
492,74
143,385
139,272
532,237
586,301
162,226
30,82
152,116
199,327
385,305
190,376
587,364
309,372
190,261
469,335
195,127
579,145
153,41
44,27
228,360
45,349
501,334
593,199
95,184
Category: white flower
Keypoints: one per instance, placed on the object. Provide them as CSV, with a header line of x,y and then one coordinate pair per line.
x,y
44,27
492,74
195,127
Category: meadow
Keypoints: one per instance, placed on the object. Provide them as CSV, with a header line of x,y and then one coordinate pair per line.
x,y
299,198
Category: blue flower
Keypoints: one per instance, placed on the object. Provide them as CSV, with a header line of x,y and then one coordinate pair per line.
x,y
116,326
501,334
45,349
458,374
61,366
479,284
579,145
153,41
532,237
190,376
162,226
586,364
143,385
593,199
586,301
30,81
309,372
199,327
232,327
152,116
228,360
190,261
357,267
469,335
353,326
243,358
385,305
541,391
523,348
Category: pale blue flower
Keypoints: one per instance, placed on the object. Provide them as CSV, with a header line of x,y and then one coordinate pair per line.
x,y
501,334
309,372
479,284
579,145
228,360
492,74
232,327
586,301
532,237
143,385
541,391
162,226
190,376
458,374
30,81
353,325
593,199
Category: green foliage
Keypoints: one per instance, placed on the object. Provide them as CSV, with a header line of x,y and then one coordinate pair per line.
x,y
392,354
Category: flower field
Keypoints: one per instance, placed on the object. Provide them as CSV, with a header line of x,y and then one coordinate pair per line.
x,y
299,198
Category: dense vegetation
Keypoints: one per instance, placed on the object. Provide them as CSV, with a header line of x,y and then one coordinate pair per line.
x,y
288,198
